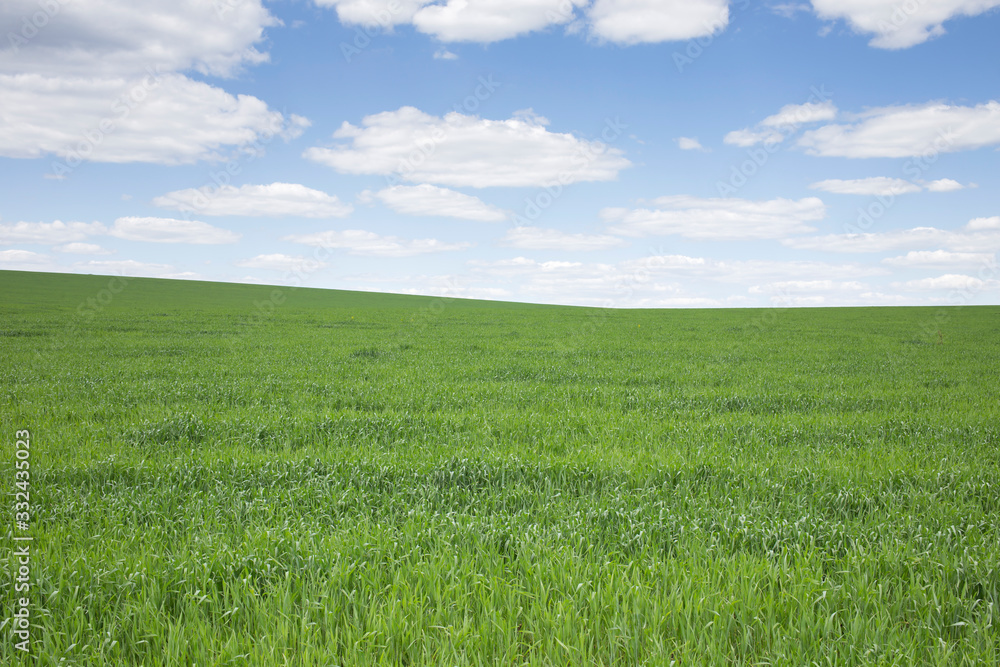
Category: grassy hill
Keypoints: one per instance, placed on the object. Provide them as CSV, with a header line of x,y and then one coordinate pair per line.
x,y
235,474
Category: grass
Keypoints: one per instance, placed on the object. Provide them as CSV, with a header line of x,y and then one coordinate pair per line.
x,y
360,479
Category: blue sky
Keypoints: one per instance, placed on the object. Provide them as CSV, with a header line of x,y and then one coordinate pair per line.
x,y
627,153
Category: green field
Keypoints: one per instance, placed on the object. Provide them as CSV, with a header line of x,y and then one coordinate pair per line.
x,y
233,475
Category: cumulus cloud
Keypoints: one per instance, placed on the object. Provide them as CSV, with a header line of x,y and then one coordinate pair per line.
x,y
775,128
23,258
951,281
662,280
789,9
430,200
747,137
899,25
799,286
102,81
537,238
620,21
467,151
131,267
169,230
280,262
360,242
639,21
276,200
690,144
979,235
748,271
979,224
717,219
82,249
878,185
488,21
884,186
374,13
121,37
944,185
929,259
164,119
793,115
908,131
48,233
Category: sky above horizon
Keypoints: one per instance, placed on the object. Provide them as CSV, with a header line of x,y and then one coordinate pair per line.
x,y
616,153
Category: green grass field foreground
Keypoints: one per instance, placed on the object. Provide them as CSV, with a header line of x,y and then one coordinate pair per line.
x,y
246,475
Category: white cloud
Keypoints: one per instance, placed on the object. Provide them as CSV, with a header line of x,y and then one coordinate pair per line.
x,y
884,186
793,115
883,299
746,137
789,9
950,281
537,238
126,267
774,128
280,262
690,144
798,286
491,20
275,200
944,185
900,25
662,280
939,258
360,242
48,233
639,21
168,230
96,38
430,200
23,258
374,13
620,21
978,224
467,151
100,81
979,235
878,185
482,21
717,219
444,54
82,249
168,119
908,131
748,271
